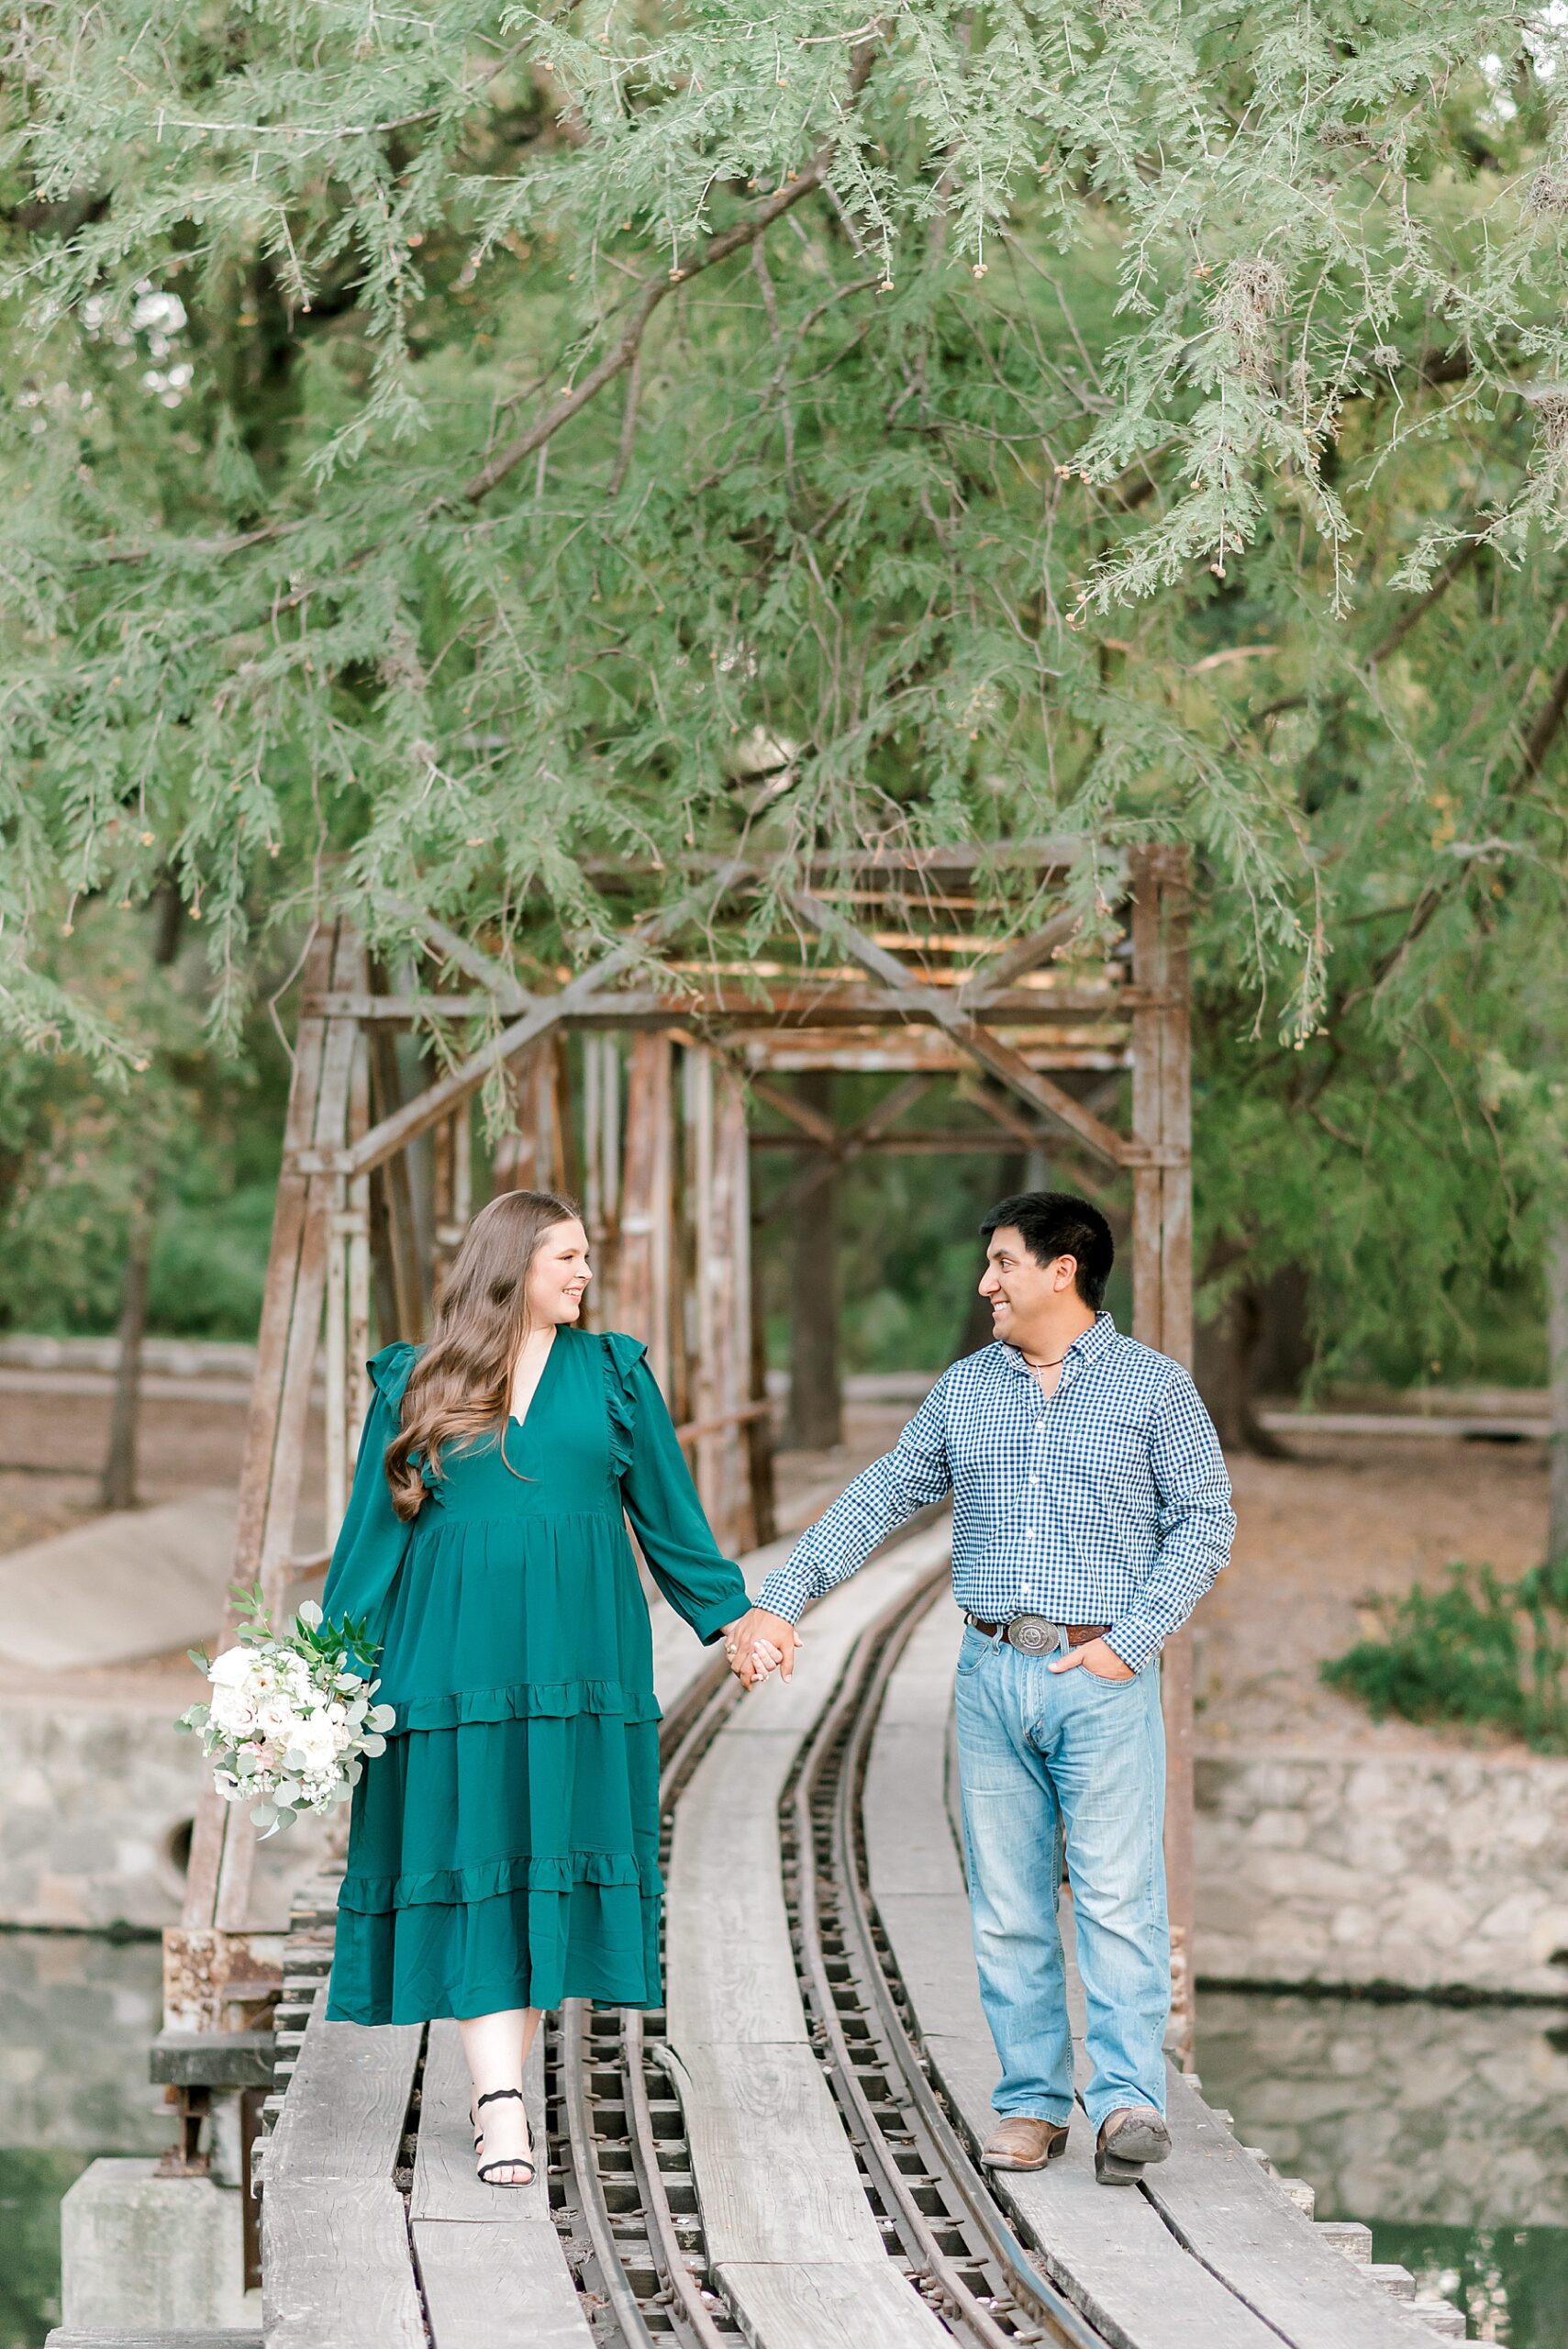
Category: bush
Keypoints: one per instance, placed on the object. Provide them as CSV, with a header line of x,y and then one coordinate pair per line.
x,y
1478,1650
209,1264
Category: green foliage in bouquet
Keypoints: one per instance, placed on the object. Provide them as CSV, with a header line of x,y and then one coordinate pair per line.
x,y
291,1716
347,1646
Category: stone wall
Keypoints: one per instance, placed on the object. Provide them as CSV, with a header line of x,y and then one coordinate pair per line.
x,y
1426,1870
96,1795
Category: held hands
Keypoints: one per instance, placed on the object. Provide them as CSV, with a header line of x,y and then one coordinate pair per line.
x,y
1102,1663
758,1642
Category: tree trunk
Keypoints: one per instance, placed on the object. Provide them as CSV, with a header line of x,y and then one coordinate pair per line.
x,y
1557,1355
815,1420
1227,1350
116,1486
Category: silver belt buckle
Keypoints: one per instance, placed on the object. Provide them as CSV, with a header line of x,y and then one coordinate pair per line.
x,y
1034,1635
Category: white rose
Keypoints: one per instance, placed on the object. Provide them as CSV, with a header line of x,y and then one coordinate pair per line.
x,y
321,1742
275,1719
229,1669
233,1712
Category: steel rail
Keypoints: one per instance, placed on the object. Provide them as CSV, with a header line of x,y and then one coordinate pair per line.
x,y
849,1723
684,1738
668,2258
925,2254
684,1735
613,2277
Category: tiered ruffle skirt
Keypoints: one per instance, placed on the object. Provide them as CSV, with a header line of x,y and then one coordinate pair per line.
x,y
503,1850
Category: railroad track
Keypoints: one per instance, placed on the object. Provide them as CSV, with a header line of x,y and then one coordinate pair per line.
x,y
624,2197
933,2198
626,2173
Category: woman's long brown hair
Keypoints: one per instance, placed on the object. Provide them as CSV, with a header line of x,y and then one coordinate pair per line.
x,y
461,1384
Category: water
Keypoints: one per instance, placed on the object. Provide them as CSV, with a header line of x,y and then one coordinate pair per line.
x,y
1444,2128
77,2011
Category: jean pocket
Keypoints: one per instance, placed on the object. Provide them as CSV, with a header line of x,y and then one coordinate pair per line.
x,y
972,1648
1103,1680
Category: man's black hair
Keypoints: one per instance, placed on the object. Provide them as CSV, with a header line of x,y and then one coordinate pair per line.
x,y
1056,1223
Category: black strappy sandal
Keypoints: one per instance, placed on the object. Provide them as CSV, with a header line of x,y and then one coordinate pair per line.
x,y
512,2161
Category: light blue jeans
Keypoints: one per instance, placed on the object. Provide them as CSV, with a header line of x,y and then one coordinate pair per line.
x,y
1046,1760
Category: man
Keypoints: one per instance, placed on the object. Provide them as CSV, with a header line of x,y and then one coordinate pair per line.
x,y
1091,1512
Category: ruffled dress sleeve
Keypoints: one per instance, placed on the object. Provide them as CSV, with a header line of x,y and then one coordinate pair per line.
x,y
702,1585
369,1547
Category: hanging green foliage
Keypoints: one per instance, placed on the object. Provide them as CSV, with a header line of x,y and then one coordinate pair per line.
x,y
446,455
442,449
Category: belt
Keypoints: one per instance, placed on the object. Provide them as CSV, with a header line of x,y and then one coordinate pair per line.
x,y
1032,1634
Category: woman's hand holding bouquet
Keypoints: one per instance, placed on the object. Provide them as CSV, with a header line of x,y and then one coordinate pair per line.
x,y
291,1715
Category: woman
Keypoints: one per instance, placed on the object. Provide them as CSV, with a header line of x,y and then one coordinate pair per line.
x,y
503,1851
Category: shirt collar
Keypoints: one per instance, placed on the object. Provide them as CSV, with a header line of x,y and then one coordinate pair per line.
x,y
1087,1349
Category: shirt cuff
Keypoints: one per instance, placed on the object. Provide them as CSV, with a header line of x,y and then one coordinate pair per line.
x,y
784,1593
1135,1638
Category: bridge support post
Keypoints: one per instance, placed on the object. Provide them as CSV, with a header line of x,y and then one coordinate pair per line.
x,y
1163,1310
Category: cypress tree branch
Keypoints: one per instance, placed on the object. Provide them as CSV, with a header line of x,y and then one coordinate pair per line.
x,y
1543,732
1437,894
627,426
729,241
1457,564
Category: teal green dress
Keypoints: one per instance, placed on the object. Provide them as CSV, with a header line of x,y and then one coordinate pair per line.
x,y
503,1851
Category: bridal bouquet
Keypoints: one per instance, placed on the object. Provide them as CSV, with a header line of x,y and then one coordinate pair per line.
x,y
291,1715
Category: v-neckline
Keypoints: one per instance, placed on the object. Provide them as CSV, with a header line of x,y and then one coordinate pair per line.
x,y
512,1419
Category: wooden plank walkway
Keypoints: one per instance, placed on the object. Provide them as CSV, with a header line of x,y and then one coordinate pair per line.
x,y
335,2257
490,2261
1109,2252
68,2337
790,2234
1210,2254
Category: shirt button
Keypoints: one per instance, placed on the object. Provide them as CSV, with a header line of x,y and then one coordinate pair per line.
x,y
1028,1533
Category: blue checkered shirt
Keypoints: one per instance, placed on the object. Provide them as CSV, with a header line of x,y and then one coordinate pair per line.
x,y
1107,1504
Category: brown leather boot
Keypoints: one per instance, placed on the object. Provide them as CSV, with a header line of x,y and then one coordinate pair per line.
x,y
1129,2139
1022,2143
